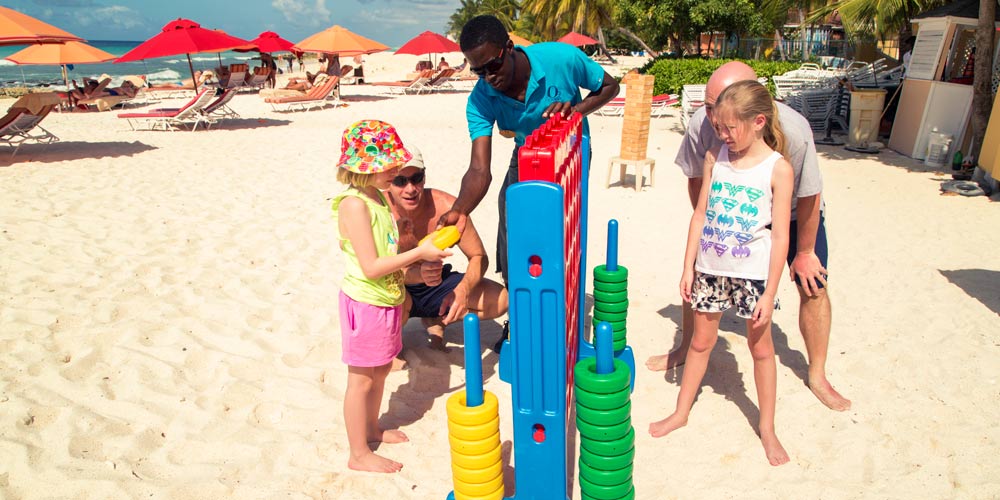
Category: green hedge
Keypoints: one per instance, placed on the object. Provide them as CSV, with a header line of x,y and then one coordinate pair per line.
x,y
673,74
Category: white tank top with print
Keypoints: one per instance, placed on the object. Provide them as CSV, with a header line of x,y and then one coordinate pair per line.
x,y
735,240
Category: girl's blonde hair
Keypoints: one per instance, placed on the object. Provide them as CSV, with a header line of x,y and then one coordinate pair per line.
x,y
354,179
747,99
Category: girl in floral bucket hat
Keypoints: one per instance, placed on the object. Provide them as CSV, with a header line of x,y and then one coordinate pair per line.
x,y
371,295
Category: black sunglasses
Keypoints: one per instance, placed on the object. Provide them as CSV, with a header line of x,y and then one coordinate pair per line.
x,y
402,180
491,66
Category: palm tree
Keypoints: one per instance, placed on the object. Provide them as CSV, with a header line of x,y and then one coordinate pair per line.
x,y
467,10
982,94
554,18
880,18
504,10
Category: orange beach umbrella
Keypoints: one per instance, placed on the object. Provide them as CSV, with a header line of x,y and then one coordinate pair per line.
x,y
340,41
519,40
21,29
61,54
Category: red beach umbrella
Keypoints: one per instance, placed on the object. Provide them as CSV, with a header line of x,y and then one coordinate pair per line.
x,y
182,36
21,29
428,42
574,38
270,41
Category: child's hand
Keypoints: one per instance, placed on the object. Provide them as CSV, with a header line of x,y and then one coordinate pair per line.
x,y
687,280
430,252
763,311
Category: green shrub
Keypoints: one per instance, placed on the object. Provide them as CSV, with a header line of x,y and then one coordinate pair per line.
x,y
673,74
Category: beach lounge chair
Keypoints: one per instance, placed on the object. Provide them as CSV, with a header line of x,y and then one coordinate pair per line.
x,y
692,98
256,81
21,125
405,87
315,97
441,81
662,103
219,108
169,118
614,107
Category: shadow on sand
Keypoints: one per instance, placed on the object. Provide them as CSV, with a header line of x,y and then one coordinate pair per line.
x,y
980,284
73,150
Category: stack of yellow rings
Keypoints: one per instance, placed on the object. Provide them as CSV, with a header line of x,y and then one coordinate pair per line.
x,y
474,435
607,439
611,302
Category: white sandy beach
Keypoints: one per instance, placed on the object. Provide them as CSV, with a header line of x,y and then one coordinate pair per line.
x,y
169,327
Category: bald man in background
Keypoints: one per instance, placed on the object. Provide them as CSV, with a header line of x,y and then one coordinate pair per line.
x,y
807,249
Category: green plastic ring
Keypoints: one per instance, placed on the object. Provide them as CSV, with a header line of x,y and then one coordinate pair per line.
x,y
618,414
610,448
600,296
599,432
605,286
614,492
615,325
611,307
605,477
587,379
619,345
601,273
629,496
610,317
602,401
612,462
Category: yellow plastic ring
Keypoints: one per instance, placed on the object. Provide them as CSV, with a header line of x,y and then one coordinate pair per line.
x,y
480,461
474,432
467,416
477,447
476,476
496,495
479,489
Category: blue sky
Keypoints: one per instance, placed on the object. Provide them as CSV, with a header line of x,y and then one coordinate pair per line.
x,y
391,22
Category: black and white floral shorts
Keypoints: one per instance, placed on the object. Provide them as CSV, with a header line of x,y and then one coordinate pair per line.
x,y
713,294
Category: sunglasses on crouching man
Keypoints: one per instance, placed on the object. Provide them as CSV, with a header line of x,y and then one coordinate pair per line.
x,y
402,180
491,66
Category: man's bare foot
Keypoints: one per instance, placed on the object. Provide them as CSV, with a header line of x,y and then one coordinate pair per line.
x,y
391,436
776,454
667,425
437,343
370,462
398,364
663,362
829,396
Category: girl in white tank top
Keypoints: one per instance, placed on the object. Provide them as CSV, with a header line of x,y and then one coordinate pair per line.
x,y
736,248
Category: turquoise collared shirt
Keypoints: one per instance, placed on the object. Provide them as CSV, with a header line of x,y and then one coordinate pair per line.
x,y
558,71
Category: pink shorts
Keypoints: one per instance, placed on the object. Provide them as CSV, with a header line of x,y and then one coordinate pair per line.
x,y
369,335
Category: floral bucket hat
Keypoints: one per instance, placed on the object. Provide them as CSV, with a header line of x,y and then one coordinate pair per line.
x,y
372,146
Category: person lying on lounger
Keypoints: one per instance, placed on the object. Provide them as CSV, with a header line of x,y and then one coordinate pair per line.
x,y
201,76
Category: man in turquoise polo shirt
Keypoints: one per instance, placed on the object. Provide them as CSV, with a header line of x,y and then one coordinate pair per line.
x,y
519,88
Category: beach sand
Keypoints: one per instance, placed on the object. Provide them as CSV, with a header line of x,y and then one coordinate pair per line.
x,y
169,327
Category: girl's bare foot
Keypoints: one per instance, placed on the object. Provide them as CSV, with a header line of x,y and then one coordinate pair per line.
x,y
776,453
667,425
391,436
370,462
663,362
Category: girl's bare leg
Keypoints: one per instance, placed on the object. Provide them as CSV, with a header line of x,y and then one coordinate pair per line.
x,y
374,402
765,376
706,332
360,383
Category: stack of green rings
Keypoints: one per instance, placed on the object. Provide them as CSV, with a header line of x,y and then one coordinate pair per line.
x,y
607,439
611,302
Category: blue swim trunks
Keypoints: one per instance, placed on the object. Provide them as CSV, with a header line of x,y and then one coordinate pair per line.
x,y
427,299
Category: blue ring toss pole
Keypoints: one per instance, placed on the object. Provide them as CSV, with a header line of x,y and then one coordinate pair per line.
x,y
473,363
605,350
612,261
